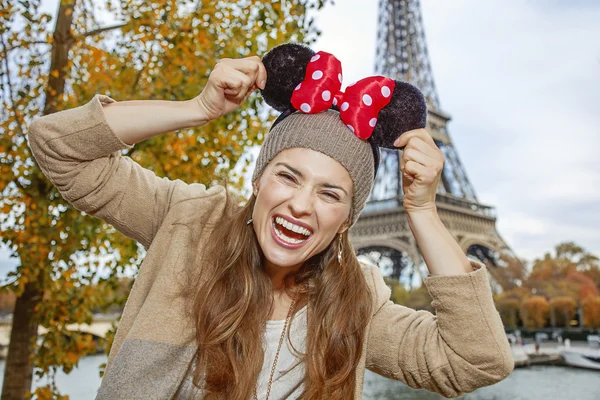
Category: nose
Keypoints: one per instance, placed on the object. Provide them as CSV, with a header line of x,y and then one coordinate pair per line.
x,y
301,203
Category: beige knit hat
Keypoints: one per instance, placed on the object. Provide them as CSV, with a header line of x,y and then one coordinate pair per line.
x,y
326,133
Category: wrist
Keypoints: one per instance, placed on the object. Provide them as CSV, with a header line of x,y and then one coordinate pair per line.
x,y
197,114
430,210
422,215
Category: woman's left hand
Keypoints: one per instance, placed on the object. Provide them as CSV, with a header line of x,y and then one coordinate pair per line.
x,y
421,164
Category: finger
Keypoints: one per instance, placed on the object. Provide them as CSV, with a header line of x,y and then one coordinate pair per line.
x,y
251,66
415,171
236,84
261,77
419,151
410,154
406,136
405,173
418,144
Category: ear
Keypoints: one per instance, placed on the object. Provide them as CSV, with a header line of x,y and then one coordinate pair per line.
x,y
344,226
255,188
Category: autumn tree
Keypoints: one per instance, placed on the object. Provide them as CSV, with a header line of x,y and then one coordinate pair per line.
x,y
562,311
508,309
508,304
7,302
571,271
566,278
591,312
534,312
509,272
127,49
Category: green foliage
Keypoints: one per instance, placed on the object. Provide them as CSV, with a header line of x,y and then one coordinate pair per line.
x,y
418,298
399,294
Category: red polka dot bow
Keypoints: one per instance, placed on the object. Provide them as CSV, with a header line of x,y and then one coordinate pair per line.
x,y
359,105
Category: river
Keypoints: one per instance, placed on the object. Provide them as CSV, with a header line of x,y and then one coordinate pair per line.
x,y
533,383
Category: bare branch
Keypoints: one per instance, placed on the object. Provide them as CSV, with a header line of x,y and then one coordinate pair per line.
x,y
28,43
20,122
100,30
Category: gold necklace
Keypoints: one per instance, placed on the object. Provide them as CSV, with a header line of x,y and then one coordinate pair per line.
x,y
287,320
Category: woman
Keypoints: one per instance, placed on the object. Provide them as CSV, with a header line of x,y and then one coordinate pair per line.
x,y
267,300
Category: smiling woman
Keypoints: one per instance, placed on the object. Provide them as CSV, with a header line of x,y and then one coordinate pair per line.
x,y
299,208
267,299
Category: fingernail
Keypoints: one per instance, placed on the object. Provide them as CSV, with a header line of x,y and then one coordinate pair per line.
x,y
262,84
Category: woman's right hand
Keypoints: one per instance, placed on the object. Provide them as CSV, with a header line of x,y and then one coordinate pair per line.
x,y
229,84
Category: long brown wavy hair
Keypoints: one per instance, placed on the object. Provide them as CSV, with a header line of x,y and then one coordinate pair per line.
x,y
232,299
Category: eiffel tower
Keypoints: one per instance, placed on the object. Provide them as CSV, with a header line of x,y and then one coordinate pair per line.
x,y
382,233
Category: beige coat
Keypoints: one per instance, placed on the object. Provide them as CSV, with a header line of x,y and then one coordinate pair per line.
x,y
459,349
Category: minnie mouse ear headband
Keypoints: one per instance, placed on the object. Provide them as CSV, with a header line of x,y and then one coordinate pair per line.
x,y
348,127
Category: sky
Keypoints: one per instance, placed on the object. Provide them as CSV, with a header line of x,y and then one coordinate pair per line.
x,y
521,81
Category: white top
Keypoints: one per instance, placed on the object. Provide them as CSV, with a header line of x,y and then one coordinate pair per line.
x,y
289,373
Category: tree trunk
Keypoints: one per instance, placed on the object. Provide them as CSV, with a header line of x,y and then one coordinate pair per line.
x,y
21,350
63,41
19,362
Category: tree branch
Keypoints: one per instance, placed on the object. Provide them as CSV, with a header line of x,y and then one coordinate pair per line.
x,y
28,43
20,123
100,30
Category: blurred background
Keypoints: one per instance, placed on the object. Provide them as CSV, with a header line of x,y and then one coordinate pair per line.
x,y
513,90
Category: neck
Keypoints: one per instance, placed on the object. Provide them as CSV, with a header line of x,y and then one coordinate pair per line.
x,y
277,274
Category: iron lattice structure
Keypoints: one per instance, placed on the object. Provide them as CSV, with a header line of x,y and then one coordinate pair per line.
x,y
382,231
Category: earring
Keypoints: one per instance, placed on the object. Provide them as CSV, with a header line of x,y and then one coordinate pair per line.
x,y
249,221
340,249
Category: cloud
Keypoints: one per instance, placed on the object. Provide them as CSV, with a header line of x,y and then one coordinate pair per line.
x,y
520,79
349,31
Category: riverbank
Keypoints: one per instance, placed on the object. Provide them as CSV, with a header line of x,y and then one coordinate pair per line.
x,y
548,353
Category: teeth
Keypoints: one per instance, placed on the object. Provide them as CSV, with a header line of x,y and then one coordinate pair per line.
x,y
292,227
287,239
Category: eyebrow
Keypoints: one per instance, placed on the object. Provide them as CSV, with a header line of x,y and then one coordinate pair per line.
x,y
330,186
326,185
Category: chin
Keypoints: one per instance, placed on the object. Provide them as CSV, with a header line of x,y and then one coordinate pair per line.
x,y
283,260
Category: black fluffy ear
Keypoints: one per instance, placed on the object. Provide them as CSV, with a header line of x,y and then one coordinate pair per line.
x,y
407,110
286,68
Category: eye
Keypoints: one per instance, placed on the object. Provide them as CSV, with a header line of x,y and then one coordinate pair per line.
x,y
287,176
332,196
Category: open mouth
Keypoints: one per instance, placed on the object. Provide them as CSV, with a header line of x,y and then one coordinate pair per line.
x,y
289,232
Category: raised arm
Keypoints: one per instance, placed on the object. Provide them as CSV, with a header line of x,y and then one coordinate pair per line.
x,y
463,346
230,83
79,150
459,349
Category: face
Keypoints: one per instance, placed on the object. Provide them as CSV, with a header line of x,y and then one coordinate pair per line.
x,y
303,200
